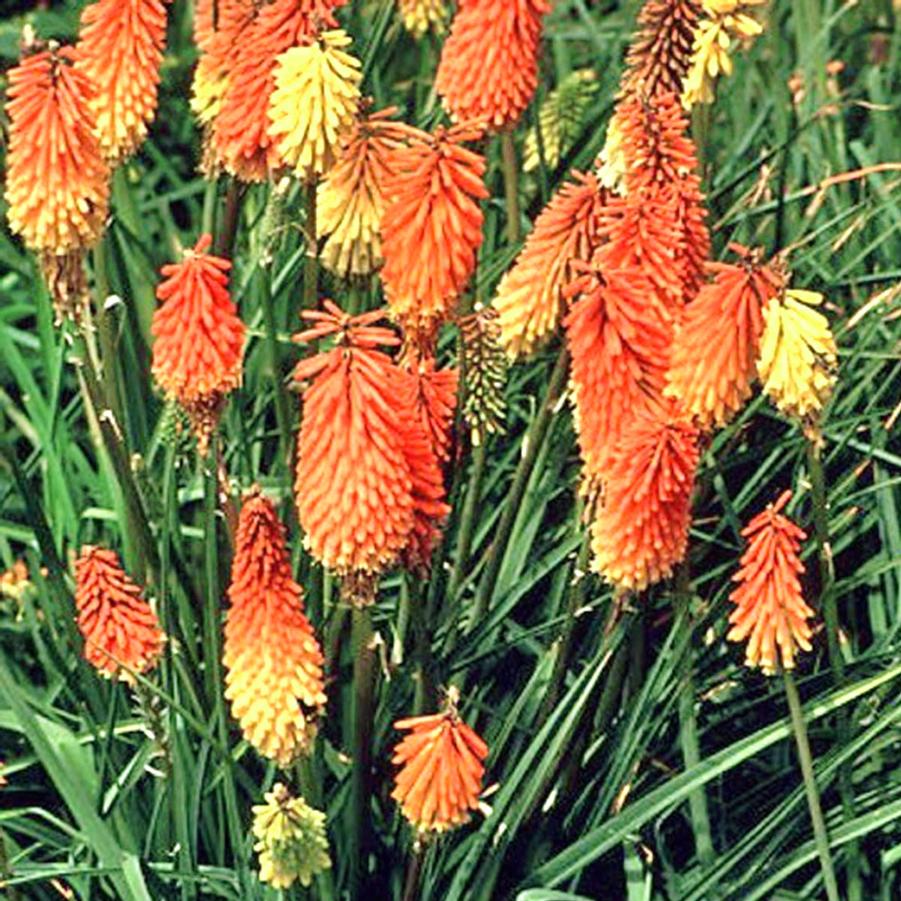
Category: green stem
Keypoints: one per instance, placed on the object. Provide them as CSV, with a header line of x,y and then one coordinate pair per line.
x,y
361,784
311,263
688,727
106,328
534,441
231,213
829,608
467,520
282,415
414,872
810,787
511,185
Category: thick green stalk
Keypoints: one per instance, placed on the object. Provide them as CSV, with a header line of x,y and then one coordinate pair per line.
x,y
511,185
361,782
231,213
311,263
282,415
534,441
414,872
467,520
106,328
821,837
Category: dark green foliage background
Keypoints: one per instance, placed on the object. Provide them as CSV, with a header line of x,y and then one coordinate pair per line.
x,y
598,766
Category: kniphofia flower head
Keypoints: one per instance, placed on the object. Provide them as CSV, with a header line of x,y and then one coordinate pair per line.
x,y
272,659
441,764
198,337
560,120
723,22
489,63
770,611
432,225
797,362
618,337
351,198
120,630
57,183
354,485
290,839
240,139
314,103
640,531
120,48
530,297
716,346
421,15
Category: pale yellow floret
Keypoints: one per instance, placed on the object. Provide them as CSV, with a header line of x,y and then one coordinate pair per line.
x,y
797,354
208,89
725,21
291,839
314,103
613,166
421,15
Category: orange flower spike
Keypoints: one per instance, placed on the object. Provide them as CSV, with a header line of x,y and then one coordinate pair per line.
x,y
272,659
770,611
121,46
354,485
240,140
641,531
716,347
430,398
120,630
618,338
57,183
530,296
489,64
441,764
432,225
198,337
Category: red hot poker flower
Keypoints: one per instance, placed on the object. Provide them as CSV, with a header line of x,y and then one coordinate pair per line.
x,y
489,64
530,297
354,483
121,46
120,630
717,344
432,225
770,609
199,338
641,531
441,770
272,659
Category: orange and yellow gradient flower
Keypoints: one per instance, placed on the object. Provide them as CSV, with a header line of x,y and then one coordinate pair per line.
x,y
120,46
121,633
272,659
530,301
57,183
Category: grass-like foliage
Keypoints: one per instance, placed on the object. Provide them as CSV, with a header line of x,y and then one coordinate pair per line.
x,y
607,738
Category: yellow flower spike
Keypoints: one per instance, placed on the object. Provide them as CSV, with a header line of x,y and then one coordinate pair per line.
x,y
797,354
421,15
314,104
725,21
208,88
291,839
